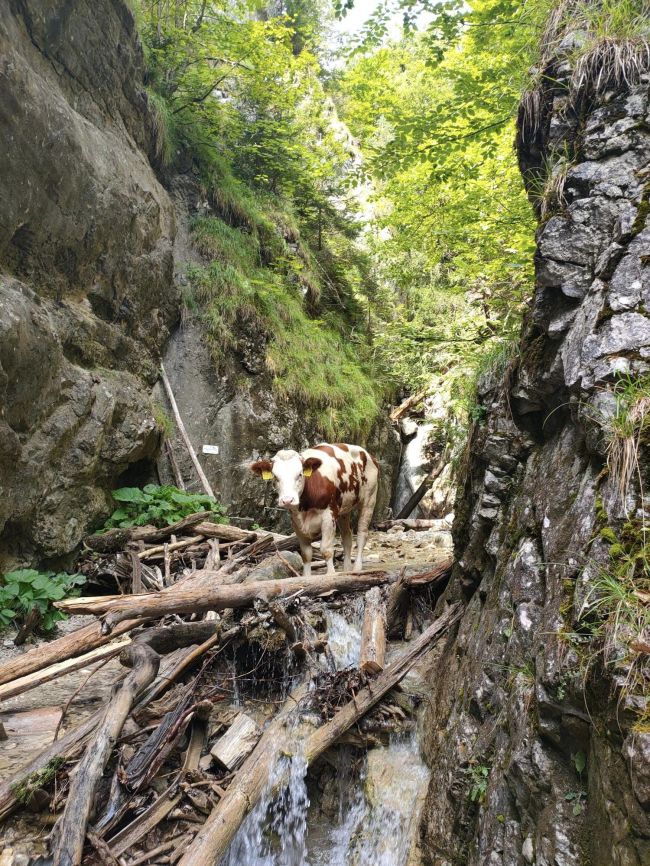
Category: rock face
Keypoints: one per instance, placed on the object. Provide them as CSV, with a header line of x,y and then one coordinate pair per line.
x,y
86,286
538,750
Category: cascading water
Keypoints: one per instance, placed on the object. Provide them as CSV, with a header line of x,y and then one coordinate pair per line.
x,y
413,468
378,803
275,832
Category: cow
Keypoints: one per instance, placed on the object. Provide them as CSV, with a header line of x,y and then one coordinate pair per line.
x,y
319,488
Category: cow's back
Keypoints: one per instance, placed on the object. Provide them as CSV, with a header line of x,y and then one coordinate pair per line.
x,y
347,476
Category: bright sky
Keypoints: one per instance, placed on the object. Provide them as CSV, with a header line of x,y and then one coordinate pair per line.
x,y
357,16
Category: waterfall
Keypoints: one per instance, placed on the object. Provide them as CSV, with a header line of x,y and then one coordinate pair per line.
x,y
378,802
412,469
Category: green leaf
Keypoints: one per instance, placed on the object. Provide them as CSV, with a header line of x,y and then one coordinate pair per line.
x,y
579,762
129,494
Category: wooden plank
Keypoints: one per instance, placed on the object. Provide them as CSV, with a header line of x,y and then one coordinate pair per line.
x,y
237,743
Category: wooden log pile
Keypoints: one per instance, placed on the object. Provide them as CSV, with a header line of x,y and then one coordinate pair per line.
x,y
166,768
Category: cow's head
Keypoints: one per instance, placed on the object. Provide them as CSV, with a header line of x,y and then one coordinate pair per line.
x,y
289,471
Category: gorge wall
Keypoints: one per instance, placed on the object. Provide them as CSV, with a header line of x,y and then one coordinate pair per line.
x,y
86,285
538,739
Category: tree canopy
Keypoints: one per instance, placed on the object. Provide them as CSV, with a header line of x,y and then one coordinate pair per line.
x,y
380,187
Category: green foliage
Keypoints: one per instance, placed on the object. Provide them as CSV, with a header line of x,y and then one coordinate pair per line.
x,y
453,229
579,762
240,89
160,506
479,775
311,359
26,589
579,799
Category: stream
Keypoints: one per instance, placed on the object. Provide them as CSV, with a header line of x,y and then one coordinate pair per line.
x,y
374,799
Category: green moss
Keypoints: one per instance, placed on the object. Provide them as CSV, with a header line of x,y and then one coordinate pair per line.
x,y
163,421
643,209
608,534
24,791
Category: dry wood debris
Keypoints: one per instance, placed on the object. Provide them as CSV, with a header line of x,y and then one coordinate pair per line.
x,y
167,768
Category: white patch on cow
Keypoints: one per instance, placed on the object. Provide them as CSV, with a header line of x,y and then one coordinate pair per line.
x,y
289,478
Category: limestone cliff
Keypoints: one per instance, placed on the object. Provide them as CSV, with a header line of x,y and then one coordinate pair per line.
x,y
526,694
86,277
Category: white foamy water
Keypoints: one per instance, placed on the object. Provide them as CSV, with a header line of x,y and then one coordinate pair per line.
x,y
344,636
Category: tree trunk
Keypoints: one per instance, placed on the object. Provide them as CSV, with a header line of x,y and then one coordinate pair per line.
x,y
200,594
373,633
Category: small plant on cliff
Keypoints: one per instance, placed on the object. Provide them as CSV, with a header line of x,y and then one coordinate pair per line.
x,y
478,774
26,590
160,506
625,429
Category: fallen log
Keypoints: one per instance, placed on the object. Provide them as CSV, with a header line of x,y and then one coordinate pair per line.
x,y
373,633
245,790
71,645
213,839
407,404
228,532
397,607
416,498
199,595
60,669
15,790
70,831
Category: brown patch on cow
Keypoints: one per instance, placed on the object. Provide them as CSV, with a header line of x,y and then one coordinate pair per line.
x,y
364,459
320,493
261,466
326,448
341,445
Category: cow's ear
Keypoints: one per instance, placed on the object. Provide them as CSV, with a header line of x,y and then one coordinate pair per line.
x,y
264,468
309,465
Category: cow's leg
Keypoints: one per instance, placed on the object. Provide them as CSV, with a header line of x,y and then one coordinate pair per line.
x,y
305,552
366,509
346,539
328,534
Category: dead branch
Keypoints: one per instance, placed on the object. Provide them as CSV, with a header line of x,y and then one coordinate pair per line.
x,y
70,831
74,644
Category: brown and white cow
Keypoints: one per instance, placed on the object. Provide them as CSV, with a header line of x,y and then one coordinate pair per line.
x,y
320,488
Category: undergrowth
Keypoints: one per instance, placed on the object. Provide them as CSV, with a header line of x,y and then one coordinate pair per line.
x,y
160,506
26,589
